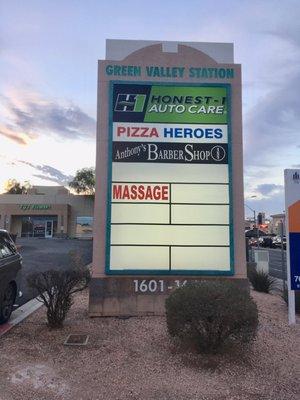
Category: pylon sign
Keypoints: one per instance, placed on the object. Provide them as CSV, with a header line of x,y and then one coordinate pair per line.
x,y
292,198
169,174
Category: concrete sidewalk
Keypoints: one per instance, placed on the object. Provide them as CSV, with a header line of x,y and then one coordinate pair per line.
x,y
20,314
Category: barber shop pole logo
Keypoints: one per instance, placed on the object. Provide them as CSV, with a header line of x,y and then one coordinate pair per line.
x,y
218,153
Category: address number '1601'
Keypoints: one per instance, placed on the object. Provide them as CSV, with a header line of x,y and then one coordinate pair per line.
x,y
154,285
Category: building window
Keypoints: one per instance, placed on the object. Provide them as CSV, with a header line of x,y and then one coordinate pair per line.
x,y
84,226
36,225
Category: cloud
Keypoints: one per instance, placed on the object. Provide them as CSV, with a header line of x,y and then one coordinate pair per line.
x,y
49,173
289,33
274,206
17,137
269,189
27,116
273,124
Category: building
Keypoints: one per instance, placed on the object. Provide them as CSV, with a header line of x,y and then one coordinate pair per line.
x,y
277,221
261,217
47,211
261,221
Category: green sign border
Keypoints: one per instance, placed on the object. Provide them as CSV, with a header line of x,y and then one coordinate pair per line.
x,y
144,272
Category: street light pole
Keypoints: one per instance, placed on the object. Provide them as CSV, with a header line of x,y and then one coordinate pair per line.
x,y
257,230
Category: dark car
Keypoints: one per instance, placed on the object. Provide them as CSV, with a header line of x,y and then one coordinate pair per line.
x,y
277,242
10,271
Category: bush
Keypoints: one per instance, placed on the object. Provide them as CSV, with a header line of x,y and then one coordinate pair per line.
x,y
209,314
261,281
297,298
55,290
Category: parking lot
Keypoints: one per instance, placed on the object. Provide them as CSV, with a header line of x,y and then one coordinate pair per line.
x,y
44,254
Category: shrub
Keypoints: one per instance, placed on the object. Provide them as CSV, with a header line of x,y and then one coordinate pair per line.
x,y
55,290
262,282
210,313
297,298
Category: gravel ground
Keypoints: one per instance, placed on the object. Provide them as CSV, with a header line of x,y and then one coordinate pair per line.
x,y
135,359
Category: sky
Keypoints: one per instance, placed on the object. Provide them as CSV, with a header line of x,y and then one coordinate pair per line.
x,y
48,81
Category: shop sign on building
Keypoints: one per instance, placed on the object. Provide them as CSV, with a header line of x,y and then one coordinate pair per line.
x,y
35,207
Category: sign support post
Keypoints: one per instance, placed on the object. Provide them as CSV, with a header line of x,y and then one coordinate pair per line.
x,y
291,293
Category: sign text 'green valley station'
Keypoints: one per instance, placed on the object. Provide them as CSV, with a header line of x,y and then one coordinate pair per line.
x,y
169,72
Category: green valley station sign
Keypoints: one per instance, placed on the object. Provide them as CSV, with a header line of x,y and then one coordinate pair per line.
x,y
153,71
35,207
169,199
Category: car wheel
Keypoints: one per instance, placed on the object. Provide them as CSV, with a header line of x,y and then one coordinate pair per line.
x,y
7,303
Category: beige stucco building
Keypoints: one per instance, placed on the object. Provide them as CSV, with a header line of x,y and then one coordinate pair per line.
x,y
47,211
277,221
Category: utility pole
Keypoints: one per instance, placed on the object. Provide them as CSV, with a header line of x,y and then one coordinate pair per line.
x,y
257,230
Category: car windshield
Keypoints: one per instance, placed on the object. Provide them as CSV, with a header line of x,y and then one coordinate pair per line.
x,y
7,247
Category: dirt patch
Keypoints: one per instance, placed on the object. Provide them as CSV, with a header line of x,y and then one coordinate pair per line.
x,y
135,359
39,377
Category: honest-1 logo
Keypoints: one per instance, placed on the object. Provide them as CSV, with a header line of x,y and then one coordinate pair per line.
x,y
130,102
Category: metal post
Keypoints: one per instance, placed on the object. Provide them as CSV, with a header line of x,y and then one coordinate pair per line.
x,y
247,249
282,254
257,229
291,293
254,214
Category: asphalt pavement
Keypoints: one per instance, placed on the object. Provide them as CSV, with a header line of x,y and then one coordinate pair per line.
x,y
277,262
44,254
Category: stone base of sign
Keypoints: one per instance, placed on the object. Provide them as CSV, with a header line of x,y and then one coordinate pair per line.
x,y
136,296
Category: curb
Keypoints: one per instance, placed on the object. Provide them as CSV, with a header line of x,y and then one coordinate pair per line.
x,y
20,314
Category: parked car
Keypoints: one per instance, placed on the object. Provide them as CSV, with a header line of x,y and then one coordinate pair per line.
x,y
10,274
277,242
268,242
